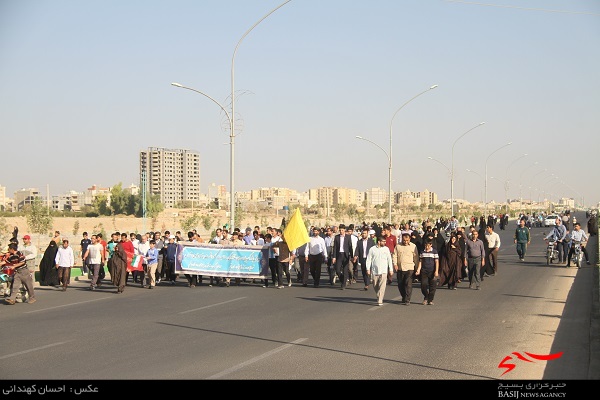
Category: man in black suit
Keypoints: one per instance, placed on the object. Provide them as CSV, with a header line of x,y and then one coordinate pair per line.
x,y
362,250
342,253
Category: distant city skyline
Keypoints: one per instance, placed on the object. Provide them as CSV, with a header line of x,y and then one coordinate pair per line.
x,y
87,85
381,198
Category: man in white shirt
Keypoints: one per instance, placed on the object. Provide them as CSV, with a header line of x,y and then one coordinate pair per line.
x,y
491,253
64,262
142,249
95,259
380,268
315,256
578,235
30,253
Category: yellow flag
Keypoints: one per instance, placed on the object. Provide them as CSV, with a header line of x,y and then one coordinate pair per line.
x,y
295,233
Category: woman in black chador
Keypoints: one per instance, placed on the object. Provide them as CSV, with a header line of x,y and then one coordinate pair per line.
x,y
48,271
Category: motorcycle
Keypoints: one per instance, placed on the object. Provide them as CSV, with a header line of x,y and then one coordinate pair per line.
x,y
551,252
577,254
6,278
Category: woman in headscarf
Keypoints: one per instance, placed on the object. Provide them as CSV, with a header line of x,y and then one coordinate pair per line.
x,y
439,243
48,271
451,264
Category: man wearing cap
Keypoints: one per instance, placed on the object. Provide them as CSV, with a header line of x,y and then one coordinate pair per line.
x,y
342,252
30,253
16,261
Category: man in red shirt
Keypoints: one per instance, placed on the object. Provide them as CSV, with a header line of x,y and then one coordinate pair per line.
x,y
390,242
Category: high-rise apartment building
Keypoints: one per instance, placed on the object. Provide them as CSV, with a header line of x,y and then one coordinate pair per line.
x,y
173,174
24,197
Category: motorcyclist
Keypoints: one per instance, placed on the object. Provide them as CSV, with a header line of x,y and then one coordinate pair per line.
x,y
558,235
578,235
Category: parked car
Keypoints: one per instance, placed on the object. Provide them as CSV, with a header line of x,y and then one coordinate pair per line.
x,y
550,220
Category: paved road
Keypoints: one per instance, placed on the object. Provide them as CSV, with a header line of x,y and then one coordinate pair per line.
x,y
250,332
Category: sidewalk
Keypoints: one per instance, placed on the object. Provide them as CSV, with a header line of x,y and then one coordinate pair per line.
x,y
594,371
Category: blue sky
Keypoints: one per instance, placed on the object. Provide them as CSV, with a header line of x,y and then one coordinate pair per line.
x,y
85,85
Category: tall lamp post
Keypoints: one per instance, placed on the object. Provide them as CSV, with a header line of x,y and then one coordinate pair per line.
x,y
486,172
231,117
452,169
449,173
478,174
537,189
521,186
390,153
551,206
507,182
389,175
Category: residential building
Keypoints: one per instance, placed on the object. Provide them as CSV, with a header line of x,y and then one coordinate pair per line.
x,y
25,196
172,174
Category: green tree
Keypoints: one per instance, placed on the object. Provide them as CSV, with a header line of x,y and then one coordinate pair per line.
x,y
338,212
76,227
240,214
153,205
99,229
207,221
187,224
134,205
100,204
38,218
4,233
118,199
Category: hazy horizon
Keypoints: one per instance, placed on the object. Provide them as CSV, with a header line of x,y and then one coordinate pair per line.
x,y
86,86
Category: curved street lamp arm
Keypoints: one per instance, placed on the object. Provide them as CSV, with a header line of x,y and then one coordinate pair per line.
x,y
476,126
525,170
372,142
232,133
438,161
402,106
179,85
497,150
476,173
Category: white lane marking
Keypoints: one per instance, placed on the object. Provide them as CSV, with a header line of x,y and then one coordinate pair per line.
x,y
68,305
212,305
34,349
255,359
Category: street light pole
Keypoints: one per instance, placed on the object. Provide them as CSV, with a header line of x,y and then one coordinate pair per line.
x,y
507,182
231,118
533,178
478,174
449,173
389,174
390,154
452,169
486,172
521,186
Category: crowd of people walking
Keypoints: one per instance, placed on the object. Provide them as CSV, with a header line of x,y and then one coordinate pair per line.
x,y
430,254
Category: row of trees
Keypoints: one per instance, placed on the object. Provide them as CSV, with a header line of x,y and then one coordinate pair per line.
x,y
40,218
125,203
